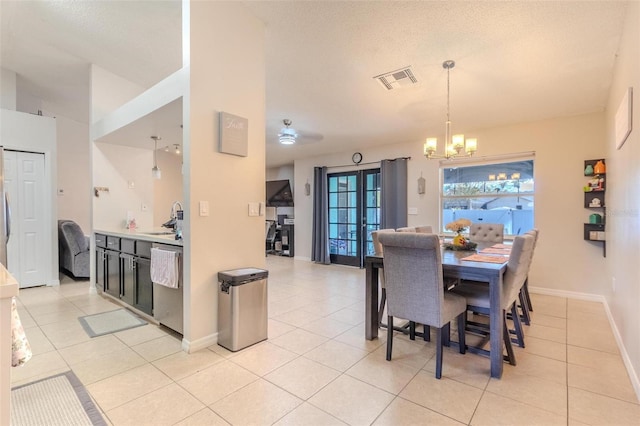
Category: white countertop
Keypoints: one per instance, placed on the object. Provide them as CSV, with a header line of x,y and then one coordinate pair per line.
x,y
8,284
143,235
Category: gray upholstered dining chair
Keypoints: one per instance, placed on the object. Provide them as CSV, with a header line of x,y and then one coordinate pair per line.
x,y
486,232
424,229
407,229
477,294
377,249
525,298
415,289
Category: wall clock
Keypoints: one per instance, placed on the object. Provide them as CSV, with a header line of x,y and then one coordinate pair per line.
x,y
356,158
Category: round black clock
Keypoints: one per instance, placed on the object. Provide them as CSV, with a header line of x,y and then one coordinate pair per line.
x,y
356,158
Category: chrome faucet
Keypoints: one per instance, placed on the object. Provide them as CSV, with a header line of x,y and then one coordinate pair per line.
x,y
174,214
173,218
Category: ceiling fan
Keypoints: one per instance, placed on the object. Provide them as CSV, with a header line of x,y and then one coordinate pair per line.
x,y
289,136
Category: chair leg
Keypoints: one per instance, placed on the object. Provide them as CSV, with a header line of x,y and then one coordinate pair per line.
x,y
383,300
389,337
446,336
412,330
439,353
426,333
526,294
511,357
462,325
518,325
526,318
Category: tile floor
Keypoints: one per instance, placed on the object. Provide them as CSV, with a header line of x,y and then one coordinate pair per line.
x,y
316,368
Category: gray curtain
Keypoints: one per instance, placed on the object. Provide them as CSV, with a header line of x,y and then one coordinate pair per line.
x,y
393,193
320,231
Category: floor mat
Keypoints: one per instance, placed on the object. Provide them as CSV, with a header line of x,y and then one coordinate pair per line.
x,y
110,322
56,400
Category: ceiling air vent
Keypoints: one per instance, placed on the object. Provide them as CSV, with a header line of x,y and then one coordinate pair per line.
x,y
399,78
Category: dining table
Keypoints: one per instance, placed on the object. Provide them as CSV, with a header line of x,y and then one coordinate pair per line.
x,y
453,266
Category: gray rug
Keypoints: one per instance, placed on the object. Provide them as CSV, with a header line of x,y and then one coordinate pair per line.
x,y
110,322
56,400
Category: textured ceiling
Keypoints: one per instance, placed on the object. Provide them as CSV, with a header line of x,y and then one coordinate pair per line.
x,y
515,62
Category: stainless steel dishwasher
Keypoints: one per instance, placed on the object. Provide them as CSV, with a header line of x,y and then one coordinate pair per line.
x,y
168,302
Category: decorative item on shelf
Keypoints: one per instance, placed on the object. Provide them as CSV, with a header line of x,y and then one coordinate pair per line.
x,y
595,203
588,171
596,184
600,168
456,145
595,218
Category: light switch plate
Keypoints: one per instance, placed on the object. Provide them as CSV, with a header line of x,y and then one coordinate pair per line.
x,y
204,208
412,210
254,209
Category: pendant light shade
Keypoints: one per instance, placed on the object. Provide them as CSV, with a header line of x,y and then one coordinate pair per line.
x,y
155,171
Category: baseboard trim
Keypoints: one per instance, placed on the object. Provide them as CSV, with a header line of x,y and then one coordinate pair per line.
x,y
202,343
633,375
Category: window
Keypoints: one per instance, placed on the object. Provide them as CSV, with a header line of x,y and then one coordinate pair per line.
x,y
500,192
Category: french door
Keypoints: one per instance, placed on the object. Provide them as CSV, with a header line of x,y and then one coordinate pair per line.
x,y
354,211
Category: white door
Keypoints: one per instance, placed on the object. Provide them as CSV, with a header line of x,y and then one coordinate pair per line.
x,y
27,248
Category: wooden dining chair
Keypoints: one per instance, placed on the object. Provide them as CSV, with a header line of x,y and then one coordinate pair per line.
x,y
486,232
415,289
377,248
477,293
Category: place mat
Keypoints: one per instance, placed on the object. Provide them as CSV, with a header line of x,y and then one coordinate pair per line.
x,y
56,400
501,246
485,258
491,250
110,322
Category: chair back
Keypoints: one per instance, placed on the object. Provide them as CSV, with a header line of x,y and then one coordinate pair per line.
x,y
424,229
375,236
413,275
407,229
517,267
486,232
71,234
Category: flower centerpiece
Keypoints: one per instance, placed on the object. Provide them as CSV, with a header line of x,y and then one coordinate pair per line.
x,y
458,226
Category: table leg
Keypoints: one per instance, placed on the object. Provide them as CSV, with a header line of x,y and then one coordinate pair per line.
x,y
371,302
496,323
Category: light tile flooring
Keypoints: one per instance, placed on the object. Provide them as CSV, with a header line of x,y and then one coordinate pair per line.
x,y
316,368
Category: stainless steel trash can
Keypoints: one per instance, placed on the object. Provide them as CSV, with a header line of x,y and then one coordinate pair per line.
x,y
242,307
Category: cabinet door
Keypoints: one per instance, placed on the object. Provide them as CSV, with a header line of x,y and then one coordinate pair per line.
x,y
100,269
144,286
128,278
112,281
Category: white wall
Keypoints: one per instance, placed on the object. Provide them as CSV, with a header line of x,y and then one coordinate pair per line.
x,y
623,199
114,166
227,73
33,133
74,176
169,188
7,89
109,92
561,146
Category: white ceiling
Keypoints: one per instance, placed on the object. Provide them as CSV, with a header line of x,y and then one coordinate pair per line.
x,y
515,62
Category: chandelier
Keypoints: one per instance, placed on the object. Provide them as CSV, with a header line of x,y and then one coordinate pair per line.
x,y
456,145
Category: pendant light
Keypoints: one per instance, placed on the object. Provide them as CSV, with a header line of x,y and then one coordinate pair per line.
x,y
155,172
454,145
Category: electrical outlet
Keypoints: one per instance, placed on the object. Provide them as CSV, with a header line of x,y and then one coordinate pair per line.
x,y
412,210
254,209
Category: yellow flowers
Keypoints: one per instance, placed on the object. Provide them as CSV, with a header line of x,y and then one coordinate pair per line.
x,y
458,225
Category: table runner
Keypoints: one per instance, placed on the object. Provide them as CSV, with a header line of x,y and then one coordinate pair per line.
x,y
486,258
